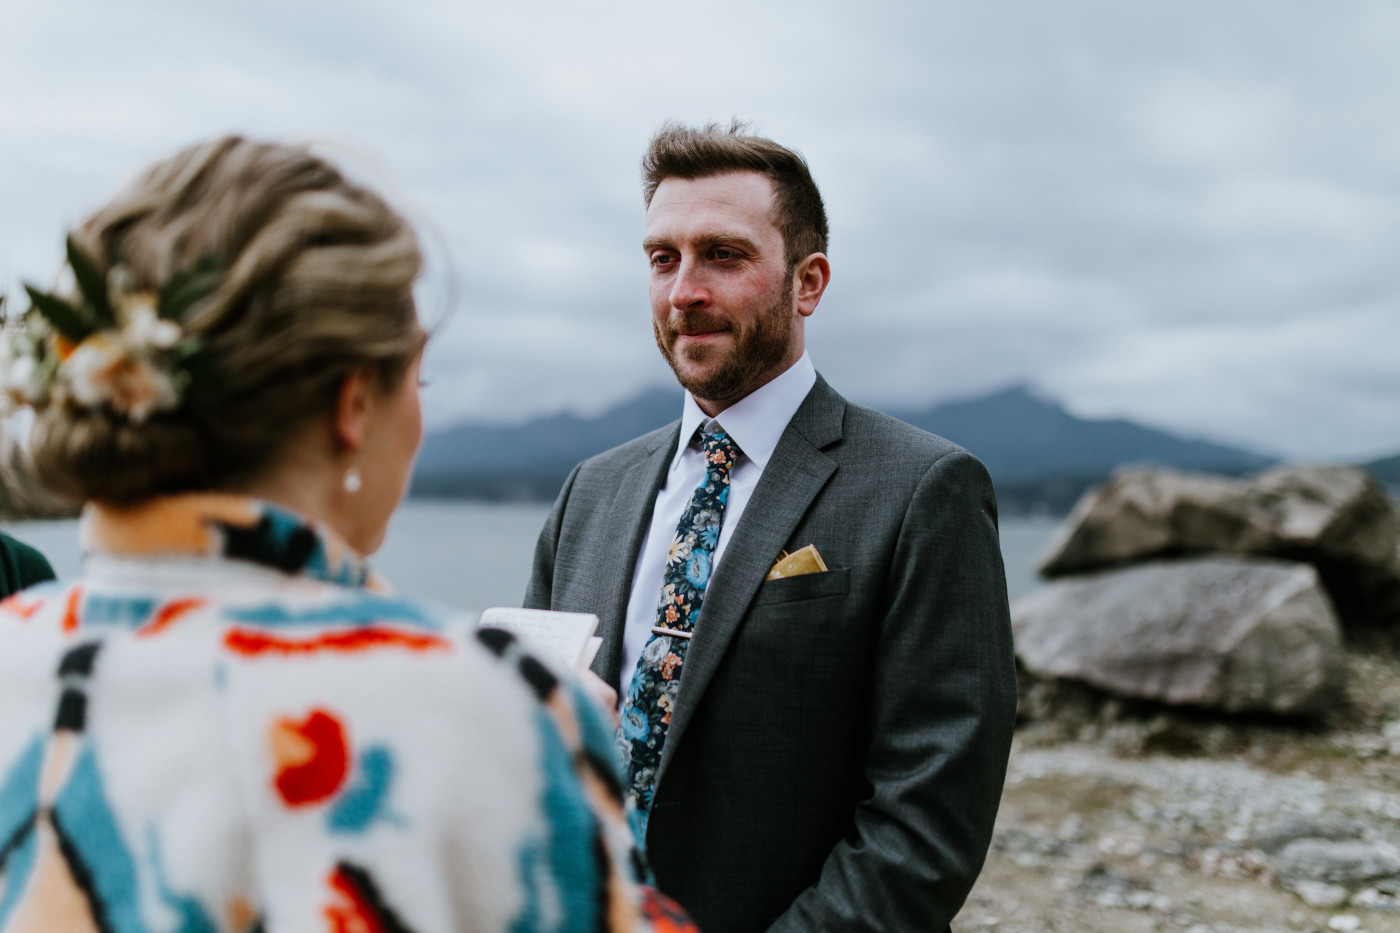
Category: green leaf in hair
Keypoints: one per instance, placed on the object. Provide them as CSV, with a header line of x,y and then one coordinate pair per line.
x,y
66,319
92,284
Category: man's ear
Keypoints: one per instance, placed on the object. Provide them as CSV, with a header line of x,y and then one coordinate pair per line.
x,y
352,404
809,280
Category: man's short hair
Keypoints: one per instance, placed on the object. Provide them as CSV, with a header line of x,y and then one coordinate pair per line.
x,y
679,151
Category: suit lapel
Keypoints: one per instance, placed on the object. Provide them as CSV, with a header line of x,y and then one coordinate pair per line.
x,y
631,518
794,475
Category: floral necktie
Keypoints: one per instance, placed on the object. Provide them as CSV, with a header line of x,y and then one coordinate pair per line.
x,y
651,697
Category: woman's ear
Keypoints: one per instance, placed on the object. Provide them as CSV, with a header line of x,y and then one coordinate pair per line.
x,y
352,405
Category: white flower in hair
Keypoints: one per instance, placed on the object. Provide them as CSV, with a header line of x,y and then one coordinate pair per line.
x,y
116,347
20,376
104,370
139,318
13,374
25,374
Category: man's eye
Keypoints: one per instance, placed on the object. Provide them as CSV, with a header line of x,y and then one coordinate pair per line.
x,y
661,259
725,253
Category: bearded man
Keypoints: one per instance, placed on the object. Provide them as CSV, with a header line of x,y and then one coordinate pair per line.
x,y
802,600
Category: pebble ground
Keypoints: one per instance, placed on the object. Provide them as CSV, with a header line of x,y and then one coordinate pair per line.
x,y
1119,820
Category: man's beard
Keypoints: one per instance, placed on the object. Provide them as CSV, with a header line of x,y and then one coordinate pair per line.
x,y
756,351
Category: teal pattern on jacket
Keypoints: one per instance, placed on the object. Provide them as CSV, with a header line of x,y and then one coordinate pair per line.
x,y
223,726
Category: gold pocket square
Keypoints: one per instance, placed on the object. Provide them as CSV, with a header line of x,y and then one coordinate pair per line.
x,y
806,560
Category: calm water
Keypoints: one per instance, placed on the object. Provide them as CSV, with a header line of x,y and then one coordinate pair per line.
x,y
474,554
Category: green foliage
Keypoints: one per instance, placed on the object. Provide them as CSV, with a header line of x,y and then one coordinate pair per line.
x,y
92,285
69,321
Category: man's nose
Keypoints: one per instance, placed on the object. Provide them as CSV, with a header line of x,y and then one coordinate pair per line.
x,y
689,288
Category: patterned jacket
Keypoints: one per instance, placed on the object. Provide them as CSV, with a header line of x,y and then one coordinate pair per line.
x,y
227,725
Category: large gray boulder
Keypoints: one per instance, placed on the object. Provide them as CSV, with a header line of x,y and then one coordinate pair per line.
x,y
1339,519
1234,633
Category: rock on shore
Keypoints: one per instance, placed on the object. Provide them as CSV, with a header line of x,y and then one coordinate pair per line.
x,y
1153,785
1338,519
1237,633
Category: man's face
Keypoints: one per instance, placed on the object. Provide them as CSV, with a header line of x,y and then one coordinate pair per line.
x,y
721,297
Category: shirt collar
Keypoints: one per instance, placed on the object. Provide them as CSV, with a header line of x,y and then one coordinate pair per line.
x,y
756,422
227,527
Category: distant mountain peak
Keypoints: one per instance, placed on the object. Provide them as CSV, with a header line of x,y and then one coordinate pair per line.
x,y
1021,434
1023,391
1017,396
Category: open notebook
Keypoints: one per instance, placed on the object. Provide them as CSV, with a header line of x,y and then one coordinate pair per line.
x,y
564,637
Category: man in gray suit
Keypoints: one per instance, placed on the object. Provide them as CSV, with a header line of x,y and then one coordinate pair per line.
x,y
824,750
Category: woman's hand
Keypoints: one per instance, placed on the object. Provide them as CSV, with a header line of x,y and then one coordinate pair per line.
x,y
600,691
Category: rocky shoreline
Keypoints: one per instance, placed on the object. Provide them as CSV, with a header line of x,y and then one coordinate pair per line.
x,y
1209,735
1120,818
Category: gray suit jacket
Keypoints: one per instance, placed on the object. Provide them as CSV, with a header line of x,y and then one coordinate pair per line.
x,y
837,751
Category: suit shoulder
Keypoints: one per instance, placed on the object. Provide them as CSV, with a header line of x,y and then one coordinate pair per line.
x,y
876,447
875,431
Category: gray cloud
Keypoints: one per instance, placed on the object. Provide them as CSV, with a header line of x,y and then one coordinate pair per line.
x,y
1181,213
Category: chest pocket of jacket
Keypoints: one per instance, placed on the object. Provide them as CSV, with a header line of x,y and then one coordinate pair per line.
x,y
795,617
807,586
797,633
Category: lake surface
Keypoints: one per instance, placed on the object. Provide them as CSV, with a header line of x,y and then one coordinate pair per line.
x,y
477,554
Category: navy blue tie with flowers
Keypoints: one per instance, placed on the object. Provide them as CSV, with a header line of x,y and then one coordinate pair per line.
x,y
651,697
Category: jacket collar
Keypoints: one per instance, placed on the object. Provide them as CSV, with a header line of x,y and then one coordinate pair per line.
x,y
757,421
220,526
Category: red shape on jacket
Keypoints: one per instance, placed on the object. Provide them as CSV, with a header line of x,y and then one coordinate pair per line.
x,y
252,643
312,757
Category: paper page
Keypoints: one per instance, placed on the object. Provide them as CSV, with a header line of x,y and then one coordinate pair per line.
x,y
563,637
590,651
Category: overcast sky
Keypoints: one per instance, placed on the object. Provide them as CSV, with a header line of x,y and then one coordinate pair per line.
x,y
1185,213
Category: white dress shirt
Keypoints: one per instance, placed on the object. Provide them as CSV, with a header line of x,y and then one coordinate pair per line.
x,y
755,422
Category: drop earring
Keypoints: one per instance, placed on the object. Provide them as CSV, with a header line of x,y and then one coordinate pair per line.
x,y
352,481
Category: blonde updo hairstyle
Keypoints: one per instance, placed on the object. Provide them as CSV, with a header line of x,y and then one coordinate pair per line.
x,y
317,283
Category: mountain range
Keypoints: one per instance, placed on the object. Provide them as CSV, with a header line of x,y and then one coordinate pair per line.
x,y
1040,456
1387,470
